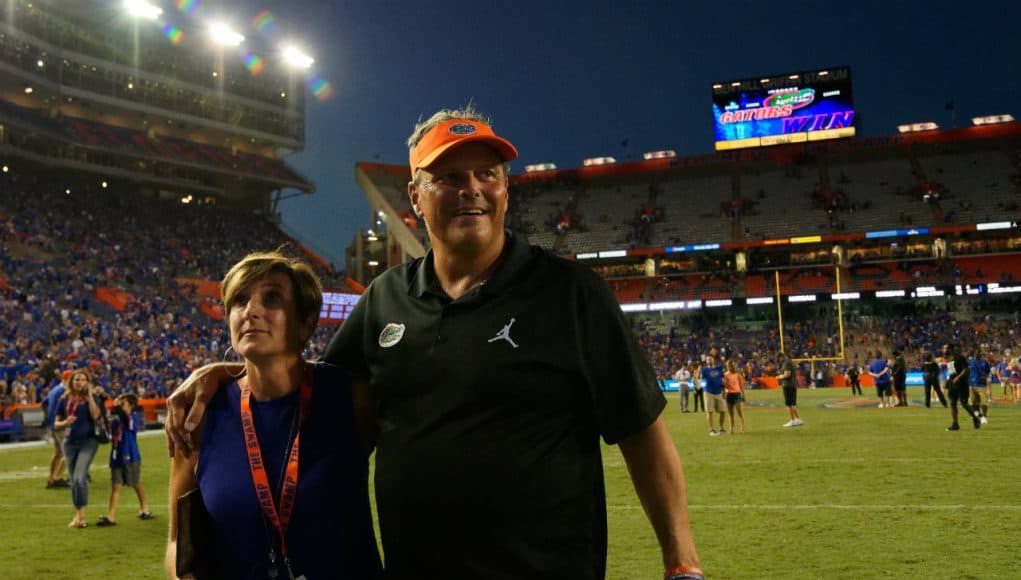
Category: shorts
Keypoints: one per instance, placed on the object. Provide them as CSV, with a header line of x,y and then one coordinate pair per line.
x,y
715,404
883,389
790,396
58,443
978,396
900,386
955,393
129,474
734,398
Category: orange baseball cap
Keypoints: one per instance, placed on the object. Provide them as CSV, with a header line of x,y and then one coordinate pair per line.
x,y
452,133
65,375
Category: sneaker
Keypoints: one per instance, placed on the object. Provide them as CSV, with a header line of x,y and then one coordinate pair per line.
x,y
788,423
798,423
976,421
145,516
954,427
104,522
57,483
984,420
713,433
881,405
723,431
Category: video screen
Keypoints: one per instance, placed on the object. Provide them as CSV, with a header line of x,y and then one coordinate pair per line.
x,y
792,108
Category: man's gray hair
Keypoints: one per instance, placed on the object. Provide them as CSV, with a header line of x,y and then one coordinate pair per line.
x,y
422,127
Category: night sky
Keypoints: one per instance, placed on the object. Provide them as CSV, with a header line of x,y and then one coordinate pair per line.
x,y
568,80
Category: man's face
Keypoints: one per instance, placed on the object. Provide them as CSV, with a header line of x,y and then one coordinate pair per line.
x,y
463,198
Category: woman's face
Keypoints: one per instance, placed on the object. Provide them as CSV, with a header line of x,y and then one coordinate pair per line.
x,y
80,383
264,319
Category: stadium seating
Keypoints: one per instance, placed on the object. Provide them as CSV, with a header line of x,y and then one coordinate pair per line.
x,y
101,280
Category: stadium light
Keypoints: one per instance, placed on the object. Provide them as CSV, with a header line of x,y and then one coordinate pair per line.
x,y
664,154
992,120
6,169
801,298
103,185
594,161
28,90
142,9
845,295
536,167
223,35
296,58
915,127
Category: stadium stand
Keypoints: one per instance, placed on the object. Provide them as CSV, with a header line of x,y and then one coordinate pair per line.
x,y
102,280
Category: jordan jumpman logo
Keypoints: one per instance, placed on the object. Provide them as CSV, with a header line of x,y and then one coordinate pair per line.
x,y
504,334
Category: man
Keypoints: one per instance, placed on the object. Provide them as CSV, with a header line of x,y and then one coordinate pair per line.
x,y
697,392
714,403
957,387
930,374
981,392
786,378
854,378
493,368
683,378
57,463
879,370
899,373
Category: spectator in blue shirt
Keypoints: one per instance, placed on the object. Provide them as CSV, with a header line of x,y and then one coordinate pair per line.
x,y
714,402
978,380
879,368
125,458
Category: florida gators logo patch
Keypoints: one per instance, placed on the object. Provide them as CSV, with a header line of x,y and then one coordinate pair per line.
x,y
392,334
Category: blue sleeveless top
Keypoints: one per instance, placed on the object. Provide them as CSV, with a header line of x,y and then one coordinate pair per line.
x,y
330,534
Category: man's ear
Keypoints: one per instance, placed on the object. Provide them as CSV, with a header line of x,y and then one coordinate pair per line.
x,y
413,197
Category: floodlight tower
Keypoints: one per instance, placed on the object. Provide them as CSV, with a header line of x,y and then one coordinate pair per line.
x,y
222,36
298,61
140,10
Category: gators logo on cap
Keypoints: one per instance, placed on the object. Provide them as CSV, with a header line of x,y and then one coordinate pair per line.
x,y
461,129
392,334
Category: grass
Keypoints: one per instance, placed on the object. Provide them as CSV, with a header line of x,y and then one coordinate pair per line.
x,y
858,492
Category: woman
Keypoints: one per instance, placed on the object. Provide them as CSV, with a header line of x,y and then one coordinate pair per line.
x,y
733,388
286,428
77,413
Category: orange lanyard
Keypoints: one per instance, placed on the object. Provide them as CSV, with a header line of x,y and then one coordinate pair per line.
x,y
72,406
280,517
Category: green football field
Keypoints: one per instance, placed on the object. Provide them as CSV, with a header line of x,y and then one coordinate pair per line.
x,y
857,492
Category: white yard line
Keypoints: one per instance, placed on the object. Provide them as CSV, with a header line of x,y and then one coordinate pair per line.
x,y
834,506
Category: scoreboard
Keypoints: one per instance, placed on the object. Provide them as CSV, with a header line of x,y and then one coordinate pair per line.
x,y
336,307
791,108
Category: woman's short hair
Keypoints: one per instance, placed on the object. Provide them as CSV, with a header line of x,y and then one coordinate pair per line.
x,y
308,290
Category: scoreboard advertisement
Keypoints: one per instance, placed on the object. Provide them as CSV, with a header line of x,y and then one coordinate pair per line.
x,y
791,108
336,307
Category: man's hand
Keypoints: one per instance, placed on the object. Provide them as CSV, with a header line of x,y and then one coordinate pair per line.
x,y
187,406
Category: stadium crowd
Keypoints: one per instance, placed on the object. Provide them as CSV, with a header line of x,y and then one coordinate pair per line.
x,y
686,341
57,249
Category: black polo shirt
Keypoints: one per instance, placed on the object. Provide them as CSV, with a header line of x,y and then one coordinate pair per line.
x,y
490,409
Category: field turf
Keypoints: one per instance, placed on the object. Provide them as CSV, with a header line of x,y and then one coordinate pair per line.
x,y
857,492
